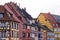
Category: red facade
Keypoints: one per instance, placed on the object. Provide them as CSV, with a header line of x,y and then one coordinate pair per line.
x,y
12,8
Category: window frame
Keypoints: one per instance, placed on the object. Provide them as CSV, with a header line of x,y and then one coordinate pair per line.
x,y
1,16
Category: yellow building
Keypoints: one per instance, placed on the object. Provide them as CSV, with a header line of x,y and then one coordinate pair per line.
x,y
57,29
44,20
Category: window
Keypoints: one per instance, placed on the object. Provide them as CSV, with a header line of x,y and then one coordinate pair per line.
x,y
27,20
10,15
33,28
33,21
1,15
28,34
39,35
32,35
54,25
46,20
20,18
30,21
55,29
23,34
38,29
3,24
14,34
56,35
15,25
50,38
0,34
24,26
17,34
38,20
7,33
7,23
3,34
50,34
28,27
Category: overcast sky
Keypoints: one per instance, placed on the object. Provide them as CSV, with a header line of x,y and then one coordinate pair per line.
x,y
35,7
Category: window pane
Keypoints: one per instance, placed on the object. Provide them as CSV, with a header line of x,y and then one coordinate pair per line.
x,y
39,35
55,29
14,25
33,35
28,27
3,34
1,15
33,28
3,24
23,34
24,26
56,35
28,34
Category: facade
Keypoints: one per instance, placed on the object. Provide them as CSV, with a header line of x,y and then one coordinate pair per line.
x,y
26,28
34,30
11,7
8,25
57,30
48,21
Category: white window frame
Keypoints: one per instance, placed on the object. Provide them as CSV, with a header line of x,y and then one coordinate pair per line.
x,y
55,29
32,35
33,28
28,27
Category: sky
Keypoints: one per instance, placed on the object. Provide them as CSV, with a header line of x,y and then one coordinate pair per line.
x,y
35,7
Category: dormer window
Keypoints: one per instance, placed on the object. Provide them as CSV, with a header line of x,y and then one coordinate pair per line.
x,y
10,15
1,15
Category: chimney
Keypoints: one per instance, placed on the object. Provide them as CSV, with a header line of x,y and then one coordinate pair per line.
x,y
25,8
19,4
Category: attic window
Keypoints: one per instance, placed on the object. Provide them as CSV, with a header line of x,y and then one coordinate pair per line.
x,y
38,20
9,15
20,17
46,20
1,15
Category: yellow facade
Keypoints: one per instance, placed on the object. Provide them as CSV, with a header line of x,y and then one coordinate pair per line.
x,y
41,19
44,22
7,38
57,34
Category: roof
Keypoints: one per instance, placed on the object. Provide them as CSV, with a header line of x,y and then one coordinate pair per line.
x,y
26,14
49,17
6,13
57,18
